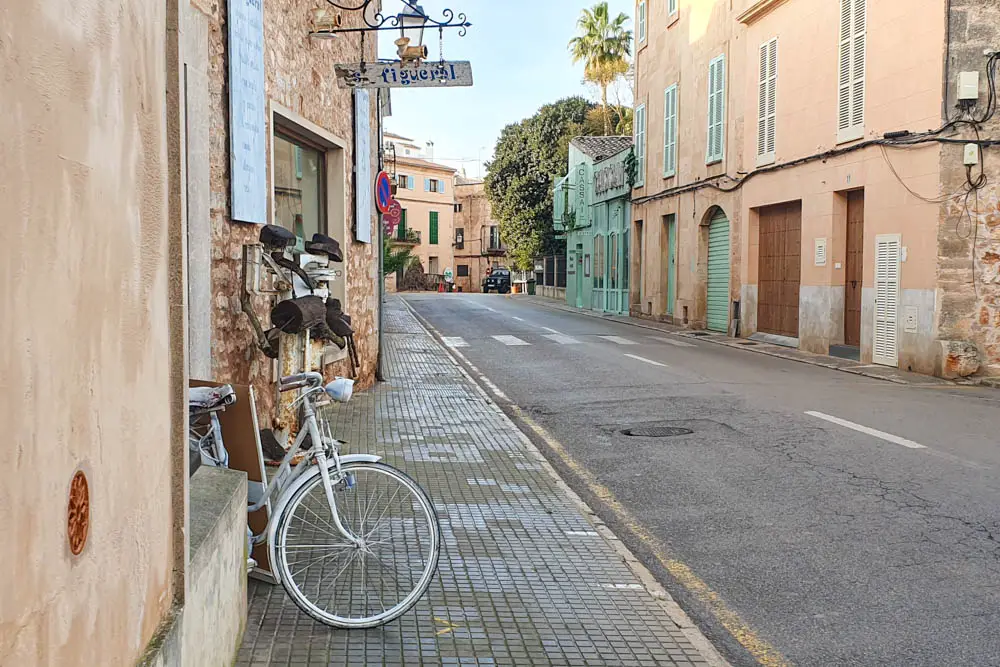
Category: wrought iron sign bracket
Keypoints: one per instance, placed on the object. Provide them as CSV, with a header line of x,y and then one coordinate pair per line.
x,y
376,21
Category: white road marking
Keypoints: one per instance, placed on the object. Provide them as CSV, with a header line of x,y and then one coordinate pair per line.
x,y
489,309
618,340
671,341
888,437
516,318
648,361
510,340
561,339
454,341
549,330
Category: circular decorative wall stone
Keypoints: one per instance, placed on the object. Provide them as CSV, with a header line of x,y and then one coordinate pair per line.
x,y
78,513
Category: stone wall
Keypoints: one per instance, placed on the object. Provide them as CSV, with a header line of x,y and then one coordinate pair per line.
x,y
299,73
969,235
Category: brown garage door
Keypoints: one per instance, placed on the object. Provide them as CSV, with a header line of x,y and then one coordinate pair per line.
x,y
780,269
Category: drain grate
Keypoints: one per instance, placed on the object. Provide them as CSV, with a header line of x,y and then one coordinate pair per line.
x,y
656,431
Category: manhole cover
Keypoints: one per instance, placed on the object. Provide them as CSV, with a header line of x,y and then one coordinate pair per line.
x,y
656,431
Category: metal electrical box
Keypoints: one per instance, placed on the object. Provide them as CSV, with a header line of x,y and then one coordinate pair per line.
x,y
968,86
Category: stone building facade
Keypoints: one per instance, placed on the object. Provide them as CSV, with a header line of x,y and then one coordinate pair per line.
x,y
481,249
786,145
311,120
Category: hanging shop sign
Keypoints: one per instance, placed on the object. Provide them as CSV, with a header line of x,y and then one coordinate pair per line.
x,y
383,192
396,74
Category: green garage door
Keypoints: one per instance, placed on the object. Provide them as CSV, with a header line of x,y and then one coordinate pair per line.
x,y
718,273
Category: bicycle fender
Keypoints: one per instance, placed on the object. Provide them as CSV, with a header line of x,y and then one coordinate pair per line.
x,y
304,479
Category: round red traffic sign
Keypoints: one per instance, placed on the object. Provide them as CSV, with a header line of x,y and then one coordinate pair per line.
x,y
383,192
392,217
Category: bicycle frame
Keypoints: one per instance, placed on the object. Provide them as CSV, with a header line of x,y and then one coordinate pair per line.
x,y
288,479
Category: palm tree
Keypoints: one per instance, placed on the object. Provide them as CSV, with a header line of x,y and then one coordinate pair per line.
x,y
604,46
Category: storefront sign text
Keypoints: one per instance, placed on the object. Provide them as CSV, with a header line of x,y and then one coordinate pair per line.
x,y
611,177
436,74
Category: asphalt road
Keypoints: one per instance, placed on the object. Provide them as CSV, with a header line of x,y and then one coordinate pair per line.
x,y
834,545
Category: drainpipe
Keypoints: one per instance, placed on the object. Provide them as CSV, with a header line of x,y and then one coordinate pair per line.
x,y
379,374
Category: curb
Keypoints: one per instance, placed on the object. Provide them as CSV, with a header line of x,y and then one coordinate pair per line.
x,y
728,342
674,612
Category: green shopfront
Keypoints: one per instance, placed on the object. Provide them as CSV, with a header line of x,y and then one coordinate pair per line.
x,y
592,208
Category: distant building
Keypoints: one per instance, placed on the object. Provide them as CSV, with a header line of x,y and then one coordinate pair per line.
x,y
592,208
426,192
478,247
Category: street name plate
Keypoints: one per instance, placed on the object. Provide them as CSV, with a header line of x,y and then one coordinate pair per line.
x,y
438,74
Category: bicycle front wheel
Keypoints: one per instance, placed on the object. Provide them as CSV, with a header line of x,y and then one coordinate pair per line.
x,y
348,585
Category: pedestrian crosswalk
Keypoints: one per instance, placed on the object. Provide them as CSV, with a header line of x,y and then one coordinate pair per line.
x,y
670,341
511,340
562,339
618,340
528,340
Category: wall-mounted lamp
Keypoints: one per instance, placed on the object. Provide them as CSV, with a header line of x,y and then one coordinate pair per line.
x,y
325,22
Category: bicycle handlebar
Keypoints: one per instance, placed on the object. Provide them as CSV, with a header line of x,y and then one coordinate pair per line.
x,y
300,380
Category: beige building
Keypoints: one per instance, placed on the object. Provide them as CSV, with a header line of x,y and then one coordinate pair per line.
x,y
426,191
123,276
478,247
788,187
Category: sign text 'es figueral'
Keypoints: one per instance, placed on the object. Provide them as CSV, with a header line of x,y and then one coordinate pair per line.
x,y
437,74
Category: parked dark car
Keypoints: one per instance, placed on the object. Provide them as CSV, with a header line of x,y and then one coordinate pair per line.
x,y
498,280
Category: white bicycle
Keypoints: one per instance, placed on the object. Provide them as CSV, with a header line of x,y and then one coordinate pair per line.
x,y
354,542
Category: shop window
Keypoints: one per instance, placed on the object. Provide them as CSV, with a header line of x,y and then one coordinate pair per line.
x,y
463,270
299,188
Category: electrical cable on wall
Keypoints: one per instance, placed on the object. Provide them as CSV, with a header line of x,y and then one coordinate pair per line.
x,y
902,139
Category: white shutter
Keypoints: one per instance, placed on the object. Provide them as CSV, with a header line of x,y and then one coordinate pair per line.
x,y
885,348
670,131
851,77
766,101
642,21
640,145
716,110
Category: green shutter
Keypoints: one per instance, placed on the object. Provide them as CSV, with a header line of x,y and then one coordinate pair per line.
x,y
718,273
401,228
434,227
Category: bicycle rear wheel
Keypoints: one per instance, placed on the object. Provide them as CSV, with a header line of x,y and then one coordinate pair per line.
x,y
345,585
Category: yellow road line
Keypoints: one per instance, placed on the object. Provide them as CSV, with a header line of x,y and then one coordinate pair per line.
x,y
762,651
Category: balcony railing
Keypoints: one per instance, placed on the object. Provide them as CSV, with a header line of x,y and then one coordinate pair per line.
x,y
493,247
406,236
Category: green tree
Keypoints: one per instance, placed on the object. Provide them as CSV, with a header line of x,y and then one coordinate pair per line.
x,y
603,46
519,178
394,260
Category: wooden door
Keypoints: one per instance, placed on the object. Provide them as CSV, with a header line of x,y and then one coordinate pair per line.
x,y
780,269
854,267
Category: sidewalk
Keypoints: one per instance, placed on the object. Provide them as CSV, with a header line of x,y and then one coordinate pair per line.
x,y
875,371
527,575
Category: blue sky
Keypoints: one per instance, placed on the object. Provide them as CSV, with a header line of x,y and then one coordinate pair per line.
x,y
520,61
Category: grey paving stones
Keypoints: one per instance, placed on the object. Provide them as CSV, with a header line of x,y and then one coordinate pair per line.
x,y
523,580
